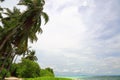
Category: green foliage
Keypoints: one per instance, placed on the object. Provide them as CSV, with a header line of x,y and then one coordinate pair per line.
x,y
45,16
47,78
30,69
46,72
31,55
50,70
13,69
26,69
3,72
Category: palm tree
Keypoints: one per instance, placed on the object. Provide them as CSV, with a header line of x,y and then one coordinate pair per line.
x,y
7,52
31,20
31,55
27,26
14,38
30,23
9,23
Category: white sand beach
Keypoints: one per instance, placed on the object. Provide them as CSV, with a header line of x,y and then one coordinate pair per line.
x,y
12,78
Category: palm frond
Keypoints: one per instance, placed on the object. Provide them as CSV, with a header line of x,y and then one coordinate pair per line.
x,y
32,36
45,16
8,12
1,9
1,16
27,3
37,25
42,2
1,0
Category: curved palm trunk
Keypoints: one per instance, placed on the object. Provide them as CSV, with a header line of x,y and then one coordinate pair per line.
x,y
3,64
7,38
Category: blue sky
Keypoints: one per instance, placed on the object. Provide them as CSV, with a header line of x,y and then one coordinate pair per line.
x,y
82,37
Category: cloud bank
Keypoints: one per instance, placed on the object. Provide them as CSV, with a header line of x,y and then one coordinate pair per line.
x,y
82,37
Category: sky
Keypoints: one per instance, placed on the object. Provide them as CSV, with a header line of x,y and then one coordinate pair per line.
x,y
82,37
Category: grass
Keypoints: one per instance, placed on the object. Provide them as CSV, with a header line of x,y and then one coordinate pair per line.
x,y
47,78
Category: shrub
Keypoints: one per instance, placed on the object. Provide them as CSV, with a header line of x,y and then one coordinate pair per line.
x,y
3,72
13,69
46,72
28,69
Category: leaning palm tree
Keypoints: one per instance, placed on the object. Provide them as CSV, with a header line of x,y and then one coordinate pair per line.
x,y
9,24
7,52
28,24
31,20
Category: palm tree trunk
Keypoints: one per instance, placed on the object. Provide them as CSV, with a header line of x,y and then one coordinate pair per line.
x,y
5,60
8,66
7,38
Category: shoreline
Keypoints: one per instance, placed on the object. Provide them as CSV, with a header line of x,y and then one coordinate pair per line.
x,y
13,78
76,79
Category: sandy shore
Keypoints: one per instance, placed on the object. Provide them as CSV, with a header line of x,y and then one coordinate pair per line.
x,y
13,78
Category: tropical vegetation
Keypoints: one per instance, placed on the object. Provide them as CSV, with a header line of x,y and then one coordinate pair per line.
x,y
17,28
29,69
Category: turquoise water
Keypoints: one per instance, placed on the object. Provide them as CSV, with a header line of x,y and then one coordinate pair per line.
x,y
98,78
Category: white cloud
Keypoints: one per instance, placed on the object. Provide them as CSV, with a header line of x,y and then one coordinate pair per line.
x,y
80,41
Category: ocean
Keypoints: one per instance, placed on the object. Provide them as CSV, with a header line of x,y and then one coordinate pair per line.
x,y
97,78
